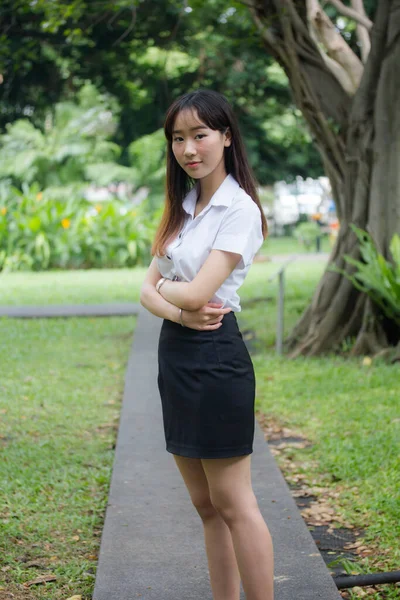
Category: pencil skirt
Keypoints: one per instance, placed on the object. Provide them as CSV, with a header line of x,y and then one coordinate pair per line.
x,y
207,387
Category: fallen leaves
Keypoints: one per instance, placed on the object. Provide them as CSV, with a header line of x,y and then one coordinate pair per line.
x,y
319,513
41,579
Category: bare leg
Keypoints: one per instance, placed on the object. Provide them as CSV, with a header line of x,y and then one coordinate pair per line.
x,y
231,493
224,572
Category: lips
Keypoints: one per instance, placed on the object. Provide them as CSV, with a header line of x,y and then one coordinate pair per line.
x,y
193,164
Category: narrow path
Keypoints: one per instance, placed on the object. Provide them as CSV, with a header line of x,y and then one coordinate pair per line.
x,y
152,542
113,309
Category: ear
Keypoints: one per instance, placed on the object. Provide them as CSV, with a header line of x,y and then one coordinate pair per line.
x,y
228,137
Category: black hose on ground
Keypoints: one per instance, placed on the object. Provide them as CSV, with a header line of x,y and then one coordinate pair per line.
x,y
349,581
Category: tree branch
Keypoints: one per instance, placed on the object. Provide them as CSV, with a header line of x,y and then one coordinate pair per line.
x,y
363,101
362,31
268,36
355,14
129,29
338,71
336,47
306,96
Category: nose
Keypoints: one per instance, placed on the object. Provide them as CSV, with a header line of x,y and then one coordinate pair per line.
x,y
190,148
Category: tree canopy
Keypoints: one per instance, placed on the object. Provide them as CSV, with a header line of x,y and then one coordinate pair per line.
x,y
145,54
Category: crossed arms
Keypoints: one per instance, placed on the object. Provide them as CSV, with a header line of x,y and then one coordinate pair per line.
x,y
191,295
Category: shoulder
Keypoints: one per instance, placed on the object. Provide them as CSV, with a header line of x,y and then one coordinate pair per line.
x,y
243,204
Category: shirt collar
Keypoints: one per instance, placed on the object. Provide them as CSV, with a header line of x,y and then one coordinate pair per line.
x,y
223,196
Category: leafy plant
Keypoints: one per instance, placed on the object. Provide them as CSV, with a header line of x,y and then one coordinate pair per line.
x,y
73,136
307,233
375,275
41,230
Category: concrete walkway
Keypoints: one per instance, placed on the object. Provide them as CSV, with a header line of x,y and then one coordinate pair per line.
x,y
114,309
152,544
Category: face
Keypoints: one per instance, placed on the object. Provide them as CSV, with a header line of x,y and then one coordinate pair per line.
x,y
198,149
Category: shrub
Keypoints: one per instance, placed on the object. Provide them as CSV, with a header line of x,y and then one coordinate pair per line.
x,y
375,276
40,231
307,234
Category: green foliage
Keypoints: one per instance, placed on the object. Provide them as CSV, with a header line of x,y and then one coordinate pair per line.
x,y
146,54
147,155
376,276
307,233
40,231
73,136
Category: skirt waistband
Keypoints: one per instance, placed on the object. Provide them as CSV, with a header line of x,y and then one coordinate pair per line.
x,y
229,325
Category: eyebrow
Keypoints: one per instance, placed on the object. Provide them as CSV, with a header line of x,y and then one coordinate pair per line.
x,y
191,129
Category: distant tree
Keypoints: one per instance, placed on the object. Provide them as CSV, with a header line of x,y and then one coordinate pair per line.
x,y
342,62
145,54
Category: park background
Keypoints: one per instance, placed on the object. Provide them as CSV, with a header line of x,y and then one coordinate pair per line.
x,y
84,89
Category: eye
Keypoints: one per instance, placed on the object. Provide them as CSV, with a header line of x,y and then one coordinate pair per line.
x,y
200,136
177,139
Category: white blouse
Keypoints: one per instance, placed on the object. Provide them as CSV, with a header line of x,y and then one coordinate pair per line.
x,y
231,221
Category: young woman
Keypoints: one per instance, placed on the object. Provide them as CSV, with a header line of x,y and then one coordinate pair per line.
x,y
211,229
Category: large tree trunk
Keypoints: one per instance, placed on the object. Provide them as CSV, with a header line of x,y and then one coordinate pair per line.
x,y
359,140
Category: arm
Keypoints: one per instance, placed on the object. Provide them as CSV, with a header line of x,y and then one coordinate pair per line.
x,y
195,294
152,300
238,239
207,318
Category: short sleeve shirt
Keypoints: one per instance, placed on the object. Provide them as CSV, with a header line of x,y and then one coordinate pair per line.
x,y
231,221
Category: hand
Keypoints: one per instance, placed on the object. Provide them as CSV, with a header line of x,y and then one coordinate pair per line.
x,y
207,318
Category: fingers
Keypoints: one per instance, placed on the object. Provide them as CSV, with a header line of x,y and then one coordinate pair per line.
x,y
212,327
216,308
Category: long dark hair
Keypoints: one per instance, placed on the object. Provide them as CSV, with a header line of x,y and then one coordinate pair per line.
x,y
215,111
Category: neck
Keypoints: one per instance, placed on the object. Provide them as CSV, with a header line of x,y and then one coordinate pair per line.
x,y
210,184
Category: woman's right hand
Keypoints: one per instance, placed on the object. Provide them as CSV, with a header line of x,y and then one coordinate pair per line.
x,y
207,318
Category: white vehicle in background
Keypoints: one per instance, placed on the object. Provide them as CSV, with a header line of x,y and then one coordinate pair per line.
x,y
311,197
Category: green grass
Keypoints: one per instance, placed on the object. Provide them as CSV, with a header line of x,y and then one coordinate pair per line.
x,y
71,287
259,297
123,285
60,396
289,245
350,414
347,410
119,285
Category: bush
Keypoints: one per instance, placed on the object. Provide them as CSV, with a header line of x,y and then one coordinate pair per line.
x,y
39,231
73,136
307,234
376,276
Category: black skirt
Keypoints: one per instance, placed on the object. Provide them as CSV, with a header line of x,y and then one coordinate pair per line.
x,y
207,387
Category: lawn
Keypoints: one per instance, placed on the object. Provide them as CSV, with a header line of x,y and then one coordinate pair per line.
x,y
60,396
289,245
347,410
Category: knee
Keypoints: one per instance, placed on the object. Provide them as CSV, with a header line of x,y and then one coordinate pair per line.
x,y
233,510
204,507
